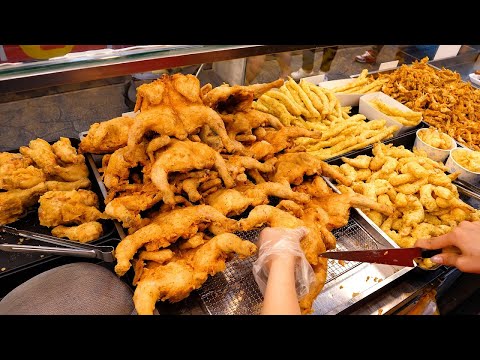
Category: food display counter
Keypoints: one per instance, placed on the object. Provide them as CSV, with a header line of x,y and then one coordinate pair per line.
x,y
316,123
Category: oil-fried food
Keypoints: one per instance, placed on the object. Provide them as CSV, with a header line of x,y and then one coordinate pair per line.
x,y
106,136
415,186
68,207
230,99
13,203
17,172
183,156
470,160
245,122
172,106
187,271
407,118
41,152
166,228
435,138
52,185
127,207
66,153
447,103
292,167
85,232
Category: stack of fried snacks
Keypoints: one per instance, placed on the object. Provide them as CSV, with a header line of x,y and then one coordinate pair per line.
x,y
470,160
315,108
406,118
347,135
425,200
361,85
435,138
447,102
294,103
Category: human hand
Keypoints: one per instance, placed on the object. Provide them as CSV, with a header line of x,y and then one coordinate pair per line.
x,y
280,243
466,237
279,251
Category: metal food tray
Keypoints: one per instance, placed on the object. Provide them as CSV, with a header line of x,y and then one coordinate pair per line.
x,y
11,263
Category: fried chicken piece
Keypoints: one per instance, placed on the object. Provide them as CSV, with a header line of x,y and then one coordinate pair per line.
x,y
68,207
127,208
17,172
107,136
13,203
237,165
183,156
191,185
317,187
231,99
320,271
172,106
83,233
83,183
245,122
42,154
235,201
312,244
337,206
187,271
166,228
64,151
121,161
21,178
159,257
292,167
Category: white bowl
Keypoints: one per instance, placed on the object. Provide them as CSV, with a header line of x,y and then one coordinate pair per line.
x,y
433,152
465,174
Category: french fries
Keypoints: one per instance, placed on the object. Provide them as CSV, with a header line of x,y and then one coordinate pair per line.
x,y
315,108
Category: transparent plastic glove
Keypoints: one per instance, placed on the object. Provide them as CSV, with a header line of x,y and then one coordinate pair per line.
x,y
277,242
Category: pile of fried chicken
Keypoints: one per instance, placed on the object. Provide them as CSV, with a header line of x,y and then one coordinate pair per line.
x,y
197,164
53,175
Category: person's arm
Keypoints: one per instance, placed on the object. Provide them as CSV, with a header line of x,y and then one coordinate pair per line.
x,y
280,294
466,237
279,262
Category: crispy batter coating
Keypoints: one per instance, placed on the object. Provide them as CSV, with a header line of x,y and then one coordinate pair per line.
x,y
85,232
68,207
107,136
187,271
166,229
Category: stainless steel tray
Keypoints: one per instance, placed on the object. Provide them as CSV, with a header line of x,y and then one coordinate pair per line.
x,y
234,292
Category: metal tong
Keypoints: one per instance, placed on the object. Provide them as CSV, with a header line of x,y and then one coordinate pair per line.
x,y
105,253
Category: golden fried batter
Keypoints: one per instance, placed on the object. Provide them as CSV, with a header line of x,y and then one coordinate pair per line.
x,y
107,136
187,271
183,156
13,203
166,228
68,207
85,232
172,106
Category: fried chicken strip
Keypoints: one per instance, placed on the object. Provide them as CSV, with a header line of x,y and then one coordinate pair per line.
x,y
107,136
85,232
